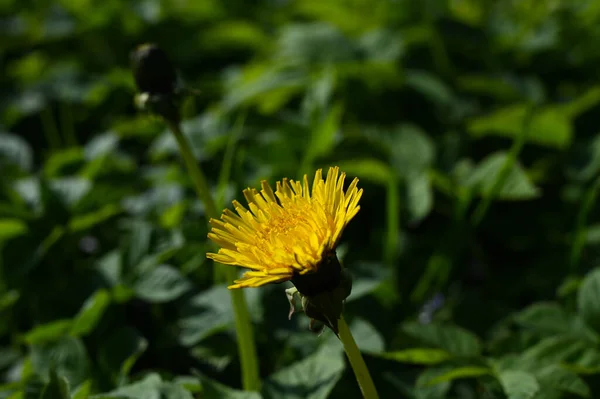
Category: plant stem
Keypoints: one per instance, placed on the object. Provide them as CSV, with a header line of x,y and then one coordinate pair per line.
x,y
589,199
243,325
361,372
198,178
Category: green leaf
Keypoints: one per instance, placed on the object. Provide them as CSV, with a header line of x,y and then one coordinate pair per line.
x,y
549,127
516,186
120,350
430,86
10,228
70,190
205,314
8,299
48,332
419,196
575,353
161,284
455,340
148,388
584,163
424,356
214,390
139,243
457,373
368,169
412,150
83,390
101,145
518,384
557,378
545,317
62,161
588,300
91,312
437,391
57,388
89,220
67,356
314,43
174,391
311,378
323,136
366,278
16,151
366,336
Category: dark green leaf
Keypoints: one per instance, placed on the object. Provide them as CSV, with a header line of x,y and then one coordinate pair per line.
x,y
120,350
588,300
516,186
161,284
311,378
557,378
214,390
57,388
455,340
147,388
205,314
67,356
174,391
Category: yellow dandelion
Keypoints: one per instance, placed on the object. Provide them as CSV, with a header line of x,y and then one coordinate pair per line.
x,y
288,232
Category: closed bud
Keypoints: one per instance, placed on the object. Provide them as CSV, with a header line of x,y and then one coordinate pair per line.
x,y
152,70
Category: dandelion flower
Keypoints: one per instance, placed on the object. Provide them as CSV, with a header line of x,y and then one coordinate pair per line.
x,y
287,234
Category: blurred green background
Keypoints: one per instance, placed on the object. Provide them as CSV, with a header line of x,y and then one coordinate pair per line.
x,y
472,125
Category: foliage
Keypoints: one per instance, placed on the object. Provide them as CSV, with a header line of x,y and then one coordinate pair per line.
x,y
469,122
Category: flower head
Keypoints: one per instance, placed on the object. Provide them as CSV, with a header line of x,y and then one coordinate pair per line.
x,y
287,233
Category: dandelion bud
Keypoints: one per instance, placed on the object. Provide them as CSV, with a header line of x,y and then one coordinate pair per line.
x,y
152,70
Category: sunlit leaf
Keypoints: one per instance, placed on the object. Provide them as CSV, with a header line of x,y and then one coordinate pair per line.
x,y
549,126
91,312
425,356
518,384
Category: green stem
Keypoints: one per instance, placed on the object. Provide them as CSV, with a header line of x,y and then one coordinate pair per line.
x,y
225,174
589,200
361,372
243,325
393,222
198,178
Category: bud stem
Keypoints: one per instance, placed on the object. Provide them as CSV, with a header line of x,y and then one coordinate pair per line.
x,y
361,372
243,325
